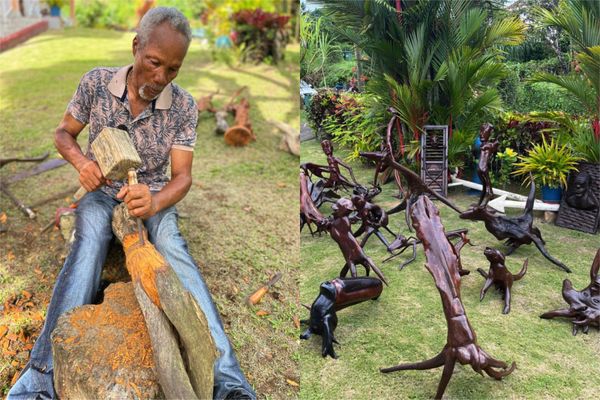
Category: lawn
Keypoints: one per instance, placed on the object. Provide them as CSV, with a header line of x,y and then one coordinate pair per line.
x,y
239,218
407,324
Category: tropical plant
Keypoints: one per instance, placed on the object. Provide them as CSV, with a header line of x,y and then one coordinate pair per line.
x,y
261,34
431,60
507,159
459,147
548,163
580,20
318,51
354,126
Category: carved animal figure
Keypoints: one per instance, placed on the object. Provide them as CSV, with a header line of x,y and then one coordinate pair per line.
x,y
499,276
333,296
584,305
442,263
516,230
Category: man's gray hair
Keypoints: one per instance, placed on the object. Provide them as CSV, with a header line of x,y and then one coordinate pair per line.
x,y
160,15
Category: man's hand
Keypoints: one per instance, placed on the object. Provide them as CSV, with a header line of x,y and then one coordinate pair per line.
x,y
90,176
139,200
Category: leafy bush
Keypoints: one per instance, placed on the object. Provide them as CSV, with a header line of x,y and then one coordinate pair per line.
x,y
261,35
459,148
321,106
339,72
353,126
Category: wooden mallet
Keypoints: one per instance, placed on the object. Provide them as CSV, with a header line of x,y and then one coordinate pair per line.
x,y
115,154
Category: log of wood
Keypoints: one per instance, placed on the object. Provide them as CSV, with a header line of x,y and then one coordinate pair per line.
x,y
188,323
241,133
103,351
290,141
115,153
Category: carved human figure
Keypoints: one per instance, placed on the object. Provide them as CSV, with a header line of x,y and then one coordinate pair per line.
x,y
579,193
372,218
339,228
499,276
331,173
488,149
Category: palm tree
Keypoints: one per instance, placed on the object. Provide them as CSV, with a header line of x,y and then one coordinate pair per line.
x,y
580,20
431,60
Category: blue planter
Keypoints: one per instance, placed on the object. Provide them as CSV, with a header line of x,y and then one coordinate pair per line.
x,y
55,11
551,195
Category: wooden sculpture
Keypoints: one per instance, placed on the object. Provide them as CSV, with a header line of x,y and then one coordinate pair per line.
x,y
584,305
499,276
372,219
402,242
340,230
333,296
442,263
488,149
334,178
516,230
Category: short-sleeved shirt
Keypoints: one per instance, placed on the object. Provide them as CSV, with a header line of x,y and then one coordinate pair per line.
x,y
168,122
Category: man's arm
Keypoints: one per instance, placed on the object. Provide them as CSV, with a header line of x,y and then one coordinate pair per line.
x,y
65,140
141,203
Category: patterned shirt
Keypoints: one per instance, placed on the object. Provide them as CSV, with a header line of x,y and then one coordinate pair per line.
x,y
168,122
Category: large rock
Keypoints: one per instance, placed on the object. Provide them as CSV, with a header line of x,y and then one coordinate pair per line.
x,y
104,351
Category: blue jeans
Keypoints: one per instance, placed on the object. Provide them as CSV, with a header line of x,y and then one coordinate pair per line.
x,y
79,279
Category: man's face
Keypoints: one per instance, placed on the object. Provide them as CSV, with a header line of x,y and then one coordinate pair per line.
x,y
157,63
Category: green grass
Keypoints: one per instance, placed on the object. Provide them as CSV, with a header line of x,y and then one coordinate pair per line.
x,y
239,218
407,323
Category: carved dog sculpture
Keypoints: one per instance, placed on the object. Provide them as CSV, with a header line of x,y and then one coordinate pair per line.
x,y
500,276
584,306
333,296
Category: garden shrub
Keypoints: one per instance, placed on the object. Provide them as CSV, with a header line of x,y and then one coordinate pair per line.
x,y
261,35
347,119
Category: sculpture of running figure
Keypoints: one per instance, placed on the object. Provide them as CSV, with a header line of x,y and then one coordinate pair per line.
x,y
488,149
335,178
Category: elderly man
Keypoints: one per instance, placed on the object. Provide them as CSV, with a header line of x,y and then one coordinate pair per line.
x,y
161,119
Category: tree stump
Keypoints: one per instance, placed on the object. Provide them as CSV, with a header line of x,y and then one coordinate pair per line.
x,y
103,351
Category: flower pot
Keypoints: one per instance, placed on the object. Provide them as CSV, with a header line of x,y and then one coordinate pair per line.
x,y
55,11
551,195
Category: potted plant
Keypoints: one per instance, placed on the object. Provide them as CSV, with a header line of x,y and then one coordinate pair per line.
x,y
549,164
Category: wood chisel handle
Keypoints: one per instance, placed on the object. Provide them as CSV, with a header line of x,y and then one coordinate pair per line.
x,y
132,180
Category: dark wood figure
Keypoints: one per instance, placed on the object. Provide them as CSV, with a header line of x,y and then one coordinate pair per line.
x,y
402,243
309,198
488,149
331,173
584,305
415,184
579,193
516,230
499,276
373,218
339,227
461,343
333,296
340,230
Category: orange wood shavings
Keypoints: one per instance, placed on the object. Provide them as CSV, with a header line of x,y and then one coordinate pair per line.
x,y
122,326
143,261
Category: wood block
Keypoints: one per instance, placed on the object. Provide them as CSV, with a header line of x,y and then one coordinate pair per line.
x,y
115,153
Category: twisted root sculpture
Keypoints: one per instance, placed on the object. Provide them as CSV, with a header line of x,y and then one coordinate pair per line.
x,y
499,276
584,306
442,263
